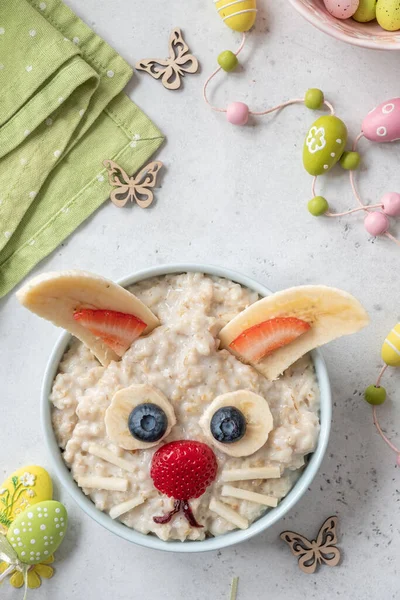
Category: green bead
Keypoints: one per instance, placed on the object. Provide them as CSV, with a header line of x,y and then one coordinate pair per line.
x,y
375,395
314,99
318,206
228,61
350,161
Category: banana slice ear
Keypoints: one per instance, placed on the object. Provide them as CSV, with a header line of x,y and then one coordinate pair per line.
x,y
327,313
58,296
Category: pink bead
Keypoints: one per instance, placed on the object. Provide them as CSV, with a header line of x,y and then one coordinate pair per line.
x,y
376,223
391,204
237,113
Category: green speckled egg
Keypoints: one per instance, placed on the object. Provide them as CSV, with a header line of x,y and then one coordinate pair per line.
x,y
366,11
324,145
37,532
388,14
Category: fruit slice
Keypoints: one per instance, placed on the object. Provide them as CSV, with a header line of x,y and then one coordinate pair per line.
x,y
249,473
117,417
258,418
266,337
227,513
234,492
330,313
120,509
58,296
117,330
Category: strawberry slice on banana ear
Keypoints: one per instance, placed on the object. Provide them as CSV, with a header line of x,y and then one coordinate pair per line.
x,y
274,332
266,337
102,314
117,330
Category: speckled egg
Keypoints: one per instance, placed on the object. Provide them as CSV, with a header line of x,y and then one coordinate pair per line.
x,y
324,145
25,487
388,14
37,532
341,9
366,11
383,123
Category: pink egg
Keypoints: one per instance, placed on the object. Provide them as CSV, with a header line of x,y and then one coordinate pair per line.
x,y
383,123
341,9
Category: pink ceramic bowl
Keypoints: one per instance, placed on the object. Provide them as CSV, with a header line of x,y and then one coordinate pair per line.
x,y
367,35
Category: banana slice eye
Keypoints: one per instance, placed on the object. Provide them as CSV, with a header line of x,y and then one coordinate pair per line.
x,y
238,423
139,417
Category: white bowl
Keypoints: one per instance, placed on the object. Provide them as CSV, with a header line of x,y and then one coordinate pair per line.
x,y
151,541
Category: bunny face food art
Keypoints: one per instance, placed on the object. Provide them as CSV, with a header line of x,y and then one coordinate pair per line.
x,y
187,406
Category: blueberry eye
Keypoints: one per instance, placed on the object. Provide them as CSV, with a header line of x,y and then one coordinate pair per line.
x,y
147,422
228,425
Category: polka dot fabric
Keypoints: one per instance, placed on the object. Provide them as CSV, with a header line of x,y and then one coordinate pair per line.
x,y
61,96
37,532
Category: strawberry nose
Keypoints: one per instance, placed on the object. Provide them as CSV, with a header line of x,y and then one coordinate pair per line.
x,y
184,469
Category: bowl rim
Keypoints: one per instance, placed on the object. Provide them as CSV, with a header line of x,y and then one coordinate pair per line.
x,y
152,541
372,44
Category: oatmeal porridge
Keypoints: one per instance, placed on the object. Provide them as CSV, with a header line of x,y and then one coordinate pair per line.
x,y
181,361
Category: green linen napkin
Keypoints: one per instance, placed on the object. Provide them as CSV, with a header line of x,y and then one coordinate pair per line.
x,y
62,112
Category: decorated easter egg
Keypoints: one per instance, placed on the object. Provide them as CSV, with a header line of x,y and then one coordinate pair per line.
x,y
388,14
341,9
239,15
37,532
22,489
391,348
383,123
366,11
324,145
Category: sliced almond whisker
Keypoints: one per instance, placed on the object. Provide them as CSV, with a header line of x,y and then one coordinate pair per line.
x,y
115,484
251,473
227,513
108,456
234,492
120,509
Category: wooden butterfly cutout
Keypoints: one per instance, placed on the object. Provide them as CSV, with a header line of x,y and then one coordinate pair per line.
x,y
321,550
136,189
173,68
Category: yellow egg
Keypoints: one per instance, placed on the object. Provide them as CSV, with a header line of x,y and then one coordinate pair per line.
x,y
388,14
391,348
239,15
27,486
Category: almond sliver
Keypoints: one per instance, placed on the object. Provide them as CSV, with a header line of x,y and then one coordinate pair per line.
x,y
115,484
120,509
228,514
251,473
233,492
110,457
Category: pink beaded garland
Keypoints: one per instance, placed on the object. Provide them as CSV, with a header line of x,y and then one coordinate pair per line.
x,y
376,223
391,204
237,113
